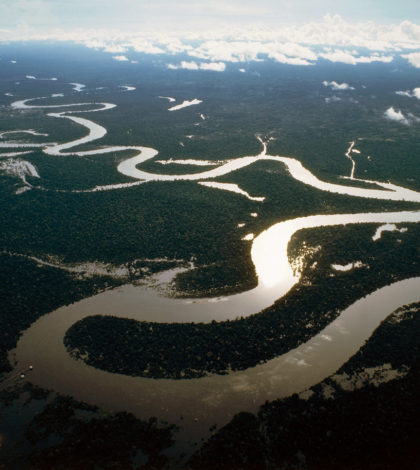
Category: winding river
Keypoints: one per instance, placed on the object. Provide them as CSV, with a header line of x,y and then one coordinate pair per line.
x,y
216,398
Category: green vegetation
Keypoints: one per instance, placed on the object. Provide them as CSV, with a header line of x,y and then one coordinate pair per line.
x,y
112,441
28,291
178,220
78,173
185,221
193,350
71,435
371,428
283,102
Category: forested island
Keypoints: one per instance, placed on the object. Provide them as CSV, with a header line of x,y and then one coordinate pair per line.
x,y
74,226
365,416
175,350
318,428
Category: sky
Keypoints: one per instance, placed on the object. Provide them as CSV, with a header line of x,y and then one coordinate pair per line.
x,y
135,15
212,33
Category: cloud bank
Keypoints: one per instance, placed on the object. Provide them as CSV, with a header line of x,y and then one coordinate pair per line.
x,y
332,39
413,58
348,58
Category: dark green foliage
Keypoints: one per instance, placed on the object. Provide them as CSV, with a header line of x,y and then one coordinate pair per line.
x,y
193,350
371,428
86,441
245,452
152,221
76,173
28,291
177,220
185,221
395,342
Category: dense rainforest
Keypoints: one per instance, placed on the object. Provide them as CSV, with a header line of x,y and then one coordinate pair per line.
x,y
51,232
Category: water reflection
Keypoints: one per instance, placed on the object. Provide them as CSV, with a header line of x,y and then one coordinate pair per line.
x,y
212,399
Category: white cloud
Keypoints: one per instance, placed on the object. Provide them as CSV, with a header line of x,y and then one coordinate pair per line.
x,y
213,66
348,58
413,58
334,31
289,53
172,45
404,93
228,51
374,58
146,47
283,59
91,42
245,51
393,115
121,58
284,45
115,49
410,94
337,86
331,31
339,56
290,44
184,65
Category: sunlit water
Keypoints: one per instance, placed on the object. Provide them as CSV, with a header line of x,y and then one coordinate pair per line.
x,y
213,399
216,398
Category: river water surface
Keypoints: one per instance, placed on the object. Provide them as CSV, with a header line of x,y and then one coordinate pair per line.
x,y
213,399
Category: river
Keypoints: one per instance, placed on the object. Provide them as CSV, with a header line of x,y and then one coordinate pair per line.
x,y
213,399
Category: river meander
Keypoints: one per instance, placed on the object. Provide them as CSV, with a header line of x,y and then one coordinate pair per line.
x,y
216,398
